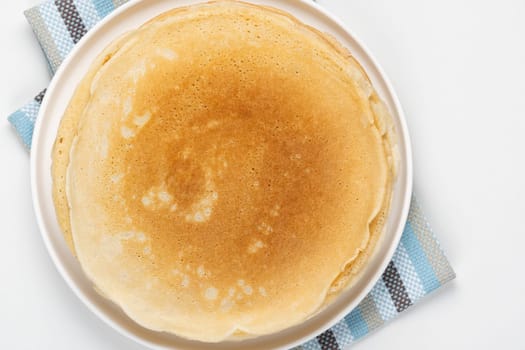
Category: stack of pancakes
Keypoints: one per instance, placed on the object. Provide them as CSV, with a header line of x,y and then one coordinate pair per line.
x,y
222,170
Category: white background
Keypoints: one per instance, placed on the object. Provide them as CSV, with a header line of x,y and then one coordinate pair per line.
x,y
459,69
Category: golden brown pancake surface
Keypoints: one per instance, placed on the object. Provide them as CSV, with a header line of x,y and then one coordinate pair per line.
x,y
223,164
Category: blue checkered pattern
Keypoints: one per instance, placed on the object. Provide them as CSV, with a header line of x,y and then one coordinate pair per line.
x,y
418,266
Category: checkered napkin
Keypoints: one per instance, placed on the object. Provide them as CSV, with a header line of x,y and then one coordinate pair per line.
x,y
417,268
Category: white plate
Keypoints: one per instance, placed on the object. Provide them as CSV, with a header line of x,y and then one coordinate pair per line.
x,y
128,17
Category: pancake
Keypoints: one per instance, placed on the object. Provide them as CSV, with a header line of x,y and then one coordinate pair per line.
x,y
223,169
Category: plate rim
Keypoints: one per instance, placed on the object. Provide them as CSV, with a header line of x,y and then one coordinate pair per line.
x,y
402,134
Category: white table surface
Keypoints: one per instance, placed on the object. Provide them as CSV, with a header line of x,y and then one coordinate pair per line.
x,y
459,70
